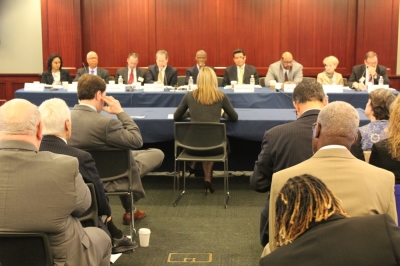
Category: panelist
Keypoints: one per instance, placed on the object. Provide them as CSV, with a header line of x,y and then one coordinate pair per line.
x,y
161,72
201,58
92,59
329,76
131,74
55,74
285,71
370,71
240,72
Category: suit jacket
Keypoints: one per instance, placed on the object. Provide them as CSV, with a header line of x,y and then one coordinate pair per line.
x,y
193,72
140,72
170,77
87,168
101,72
44,193
231,74
93,130
370,240
362,188
359,72
323,79
275,72
47,76
381,158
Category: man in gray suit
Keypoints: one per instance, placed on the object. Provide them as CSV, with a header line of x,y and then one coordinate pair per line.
x,y
131,74
44,191
92,130
92,60
285,71
240,72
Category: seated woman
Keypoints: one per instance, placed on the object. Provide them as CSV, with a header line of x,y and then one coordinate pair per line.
x,y
55,74
206,105
377,110
310,223
386,153
329,76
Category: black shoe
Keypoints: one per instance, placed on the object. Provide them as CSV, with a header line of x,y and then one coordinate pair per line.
x,y
208,187
123,245
192,171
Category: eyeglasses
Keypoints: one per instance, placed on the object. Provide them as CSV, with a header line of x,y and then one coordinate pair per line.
x,y
287,62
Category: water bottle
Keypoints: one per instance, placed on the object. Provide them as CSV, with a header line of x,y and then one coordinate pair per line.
x,y
252,80
334,80
380,80
120,80
190,83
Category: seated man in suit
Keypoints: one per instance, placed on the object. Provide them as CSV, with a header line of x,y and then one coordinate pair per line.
x,y
370,71
312,228
92,60
92,130
363,189
285,71
240,72
131,74
56,118
44,191
161,72
201,59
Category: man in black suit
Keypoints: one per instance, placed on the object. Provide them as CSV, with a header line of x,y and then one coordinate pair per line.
x,y
56,118
161,72
370,71
240,72
131,74
201,58
92,60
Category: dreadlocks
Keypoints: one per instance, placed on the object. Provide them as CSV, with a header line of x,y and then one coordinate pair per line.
x,y
303,199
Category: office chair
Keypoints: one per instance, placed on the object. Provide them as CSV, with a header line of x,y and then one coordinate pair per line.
x,y
220,79
262,82
91,216
181,80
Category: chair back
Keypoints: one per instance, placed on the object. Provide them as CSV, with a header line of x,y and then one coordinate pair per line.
x,y
91,216
25,248
262,81
397,196
181,80
220,79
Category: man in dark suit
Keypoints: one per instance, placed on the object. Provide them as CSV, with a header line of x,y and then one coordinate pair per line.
x,y
370,71
161,72
201,58
56,118
92,60
131,74
240,72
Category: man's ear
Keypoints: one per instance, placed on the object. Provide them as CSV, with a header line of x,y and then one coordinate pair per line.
x,y
317,130
98,95
39,128
355,139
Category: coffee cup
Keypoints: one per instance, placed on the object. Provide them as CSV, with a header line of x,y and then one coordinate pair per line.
x,y
144,237
272,84
233,83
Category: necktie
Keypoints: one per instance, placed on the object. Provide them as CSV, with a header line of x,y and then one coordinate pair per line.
x,y
160,76
92,71
240,78
131,78
370,78
286,76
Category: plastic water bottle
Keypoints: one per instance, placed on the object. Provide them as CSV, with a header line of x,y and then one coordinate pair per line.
x,y
380,80
252,80
334,80
190,83
120,80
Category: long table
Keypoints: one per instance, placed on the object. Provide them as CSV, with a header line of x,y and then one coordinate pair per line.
x,y
261,98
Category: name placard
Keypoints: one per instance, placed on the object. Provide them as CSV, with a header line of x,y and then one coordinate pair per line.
x,y
153,87
374,87
73,87
289,87
116,87
243,88
333,88
34,87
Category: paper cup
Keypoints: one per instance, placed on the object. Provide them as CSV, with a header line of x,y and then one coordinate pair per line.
x,y
272,84
65,85
111,82
233,83
144,237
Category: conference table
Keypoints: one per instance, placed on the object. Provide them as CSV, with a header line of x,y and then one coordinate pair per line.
x,y
260,98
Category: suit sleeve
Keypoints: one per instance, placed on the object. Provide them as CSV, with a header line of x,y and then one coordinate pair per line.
x,y
149,76
383,72
256,77
356,148
174,77
83,198
375,158
229,112
123,133
106,76
298,76
393,232
226,81
79,73
352,78
261,178
46,78
270,76
181,112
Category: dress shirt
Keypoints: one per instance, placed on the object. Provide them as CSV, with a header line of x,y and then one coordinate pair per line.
x,y
94,71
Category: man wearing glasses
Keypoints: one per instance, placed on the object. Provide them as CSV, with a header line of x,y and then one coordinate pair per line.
x,y
92,59
285,71
369,72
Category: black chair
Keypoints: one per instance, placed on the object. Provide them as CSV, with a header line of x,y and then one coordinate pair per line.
x,y
181,80
200,142
220,79
113,164
91,216
262,81
25,248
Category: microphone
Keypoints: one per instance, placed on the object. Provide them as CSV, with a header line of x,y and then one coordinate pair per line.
x,y
84,67
278,90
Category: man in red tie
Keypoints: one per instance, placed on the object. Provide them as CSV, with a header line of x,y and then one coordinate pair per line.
x,y
131,74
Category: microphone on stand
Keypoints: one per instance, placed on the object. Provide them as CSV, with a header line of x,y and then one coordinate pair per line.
x,y
84,67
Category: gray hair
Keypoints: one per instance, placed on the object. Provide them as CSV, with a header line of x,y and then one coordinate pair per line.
x,y
19,117
54,114
339,119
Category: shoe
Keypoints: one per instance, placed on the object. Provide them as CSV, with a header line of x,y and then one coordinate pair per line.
x,y
138,215
208,187
192,171
123,245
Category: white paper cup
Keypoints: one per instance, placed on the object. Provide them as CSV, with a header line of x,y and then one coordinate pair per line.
x,y
111,82
272,84
233,83
138,85
144,237
75,82
65,85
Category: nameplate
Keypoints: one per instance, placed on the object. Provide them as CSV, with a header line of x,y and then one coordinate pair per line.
x,y
288,87
116,87
243,88
153,87
72,87
333,88
374,87
34,87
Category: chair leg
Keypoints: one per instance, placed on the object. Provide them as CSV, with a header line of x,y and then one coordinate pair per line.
x,y
132,230
226,183
184,183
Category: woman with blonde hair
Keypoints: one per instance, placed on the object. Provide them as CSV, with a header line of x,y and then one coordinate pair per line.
x,y
205,104
329,76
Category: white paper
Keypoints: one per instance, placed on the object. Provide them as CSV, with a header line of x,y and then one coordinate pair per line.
x,y
332,88
138,116
170,116
374,87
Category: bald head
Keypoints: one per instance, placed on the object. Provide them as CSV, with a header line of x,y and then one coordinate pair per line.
x,y
287,60
201,58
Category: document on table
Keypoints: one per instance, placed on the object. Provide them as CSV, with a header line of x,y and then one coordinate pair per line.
x,y
138,116
171,116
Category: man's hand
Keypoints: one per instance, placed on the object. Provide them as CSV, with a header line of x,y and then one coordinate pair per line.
x,y
359,86
287,82
372,70
113,105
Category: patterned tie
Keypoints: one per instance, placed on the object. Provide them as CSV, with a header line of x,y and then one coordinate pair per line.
x,y
131,77
286,77
240,78
92,71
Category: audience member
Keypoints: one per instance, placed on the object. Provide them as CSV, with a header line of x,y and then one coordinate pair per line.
x,y
161,72
92,59
55,74
377,110
56,118
93,130
131,74
312,228
329,76
44,191
370,71
240,72
285,71
201,59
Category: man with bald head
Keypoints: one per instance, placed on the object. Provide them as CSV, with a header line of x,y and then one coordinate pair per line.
x,y
44,191
201,59
362,188
285,71
92,59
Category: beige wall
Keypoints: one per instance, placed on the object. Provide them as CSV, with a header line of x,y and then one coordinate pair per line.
x,y
20,36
